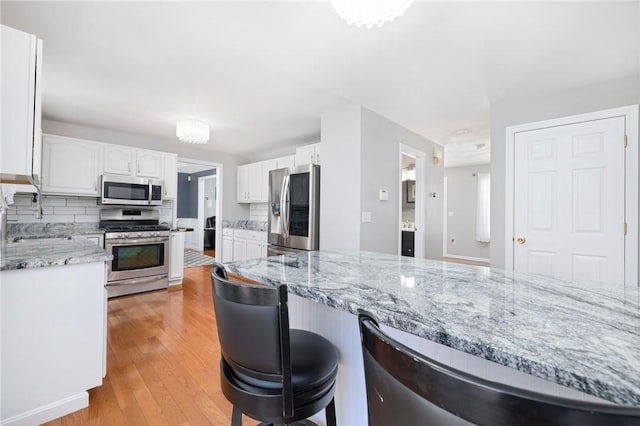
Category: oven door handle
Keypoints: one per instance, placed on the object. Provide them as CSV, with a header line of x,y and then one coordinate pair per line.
x,y
129,242
137,280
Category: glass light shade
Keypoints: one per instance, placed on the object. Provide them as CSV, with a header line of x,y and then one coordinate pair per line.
x,y
192,131
370,12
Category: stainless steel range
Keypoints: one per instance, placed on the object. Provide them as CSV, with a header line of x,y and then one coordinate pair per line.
x,y
140,249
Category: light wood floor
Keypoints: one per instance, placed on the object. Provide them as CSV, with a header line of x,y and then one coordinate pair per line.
x,y
162,361
465,262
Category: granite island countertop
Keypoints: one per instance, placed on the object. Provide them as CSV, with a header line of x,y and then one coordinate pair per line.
x,y
38,253
583,336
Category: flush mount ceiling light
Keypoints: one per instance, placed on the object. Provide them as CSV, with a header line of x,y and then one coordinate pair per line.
x,y
192,131
370,12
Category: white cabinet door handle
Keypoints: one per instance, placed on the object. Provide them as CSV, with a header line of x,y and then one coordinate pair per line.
x,y
129,167
311,158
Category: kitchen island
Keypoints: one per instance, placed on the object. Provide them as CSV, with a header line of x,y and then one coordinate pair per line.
x,y
53,312
577,340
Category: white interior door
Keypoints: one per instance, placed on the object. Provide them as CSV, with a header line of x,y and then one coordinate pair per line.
x,y
569,201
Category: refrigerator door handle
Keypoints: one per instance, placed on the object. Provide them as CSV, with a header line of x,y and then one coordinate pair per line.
x,y
285,206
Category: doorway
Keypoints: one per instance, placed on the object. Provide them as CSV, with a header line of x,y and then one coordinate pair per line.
x,y
572,197
207,198
411,202
199,195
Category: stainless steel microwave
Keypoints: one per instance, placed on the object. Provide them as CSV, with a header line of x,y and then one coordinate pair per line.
x,y
128,190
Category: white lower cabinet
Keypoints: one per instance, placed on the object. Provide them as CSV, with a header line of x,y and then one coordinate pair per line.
x,y
254,250
176,258
243,244
227,245
53,340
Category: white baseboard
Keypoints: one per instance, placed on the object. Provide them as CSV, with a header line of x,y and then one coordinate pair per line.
x,y
50,411
474,259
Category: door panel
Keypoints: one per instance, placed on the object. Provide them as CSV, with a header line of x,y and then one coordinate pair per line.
x,y
569,185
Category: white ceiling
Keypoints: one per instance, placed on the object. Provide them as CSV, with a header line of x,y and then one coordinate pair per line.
x,y
263,73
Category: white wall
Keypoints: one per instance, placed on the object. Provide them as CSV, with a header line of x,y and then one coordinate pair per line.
x,y
509,112
380,151
231,209
340,179
360,156
462,195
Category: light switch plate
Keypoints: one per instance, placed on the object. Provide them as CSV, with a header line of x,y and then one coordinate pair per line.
x,y
366,217
384,195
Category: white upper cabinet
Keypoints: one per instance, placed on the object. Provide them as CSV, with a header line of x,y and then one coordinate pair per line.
x,y
243,184
122,160
21,148
170,176
149,164
70,166
118,160
309,154
289,162
267,166
250,183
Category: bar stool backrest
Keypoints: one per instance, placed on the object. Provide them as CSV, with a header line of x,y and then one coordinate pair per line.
x,y
406,387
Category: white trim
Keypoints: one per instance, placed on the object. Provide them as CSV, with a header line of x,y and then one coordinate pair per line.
x,y
219,207
630,113
421,197
51,411
474,259
445,200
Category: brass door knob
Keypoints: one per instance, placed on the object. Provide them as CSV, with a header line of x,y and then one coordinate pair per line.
x,y
521,240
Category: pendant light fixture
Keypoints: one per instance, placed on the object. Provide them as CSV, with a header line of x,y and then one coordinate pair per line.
x,y
192,131
370,13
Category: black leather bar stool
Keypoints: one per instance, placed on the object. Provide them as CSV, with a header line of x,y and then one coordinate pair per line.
x,y
269,372
408,388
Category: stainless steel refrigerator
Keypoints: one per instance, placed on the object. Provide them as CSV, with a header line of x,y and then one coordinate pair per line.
x,y
294,209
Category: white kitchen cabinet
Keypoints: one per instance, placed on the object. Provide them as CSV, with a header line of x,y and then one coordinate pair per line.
x,y
247,244
176,258
254,251
267,166
227,245
249,185
243,184
126,161
288,161
70,166
53,340
149,164
170,176
239,249
21,149
309,154
118,160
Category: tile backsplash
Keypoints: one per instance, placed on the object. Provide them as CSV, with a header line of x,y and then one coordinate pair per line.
x,y
258,212
67,210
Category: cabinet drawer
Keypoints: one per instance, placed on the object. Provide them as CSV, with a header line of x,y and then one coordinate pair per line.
x,y
227,232
241,233
258,236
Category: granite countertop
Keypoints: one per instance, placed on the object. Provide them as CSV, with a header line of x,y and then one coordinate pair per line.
x,y
51,230
584,336
252,225
38,253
